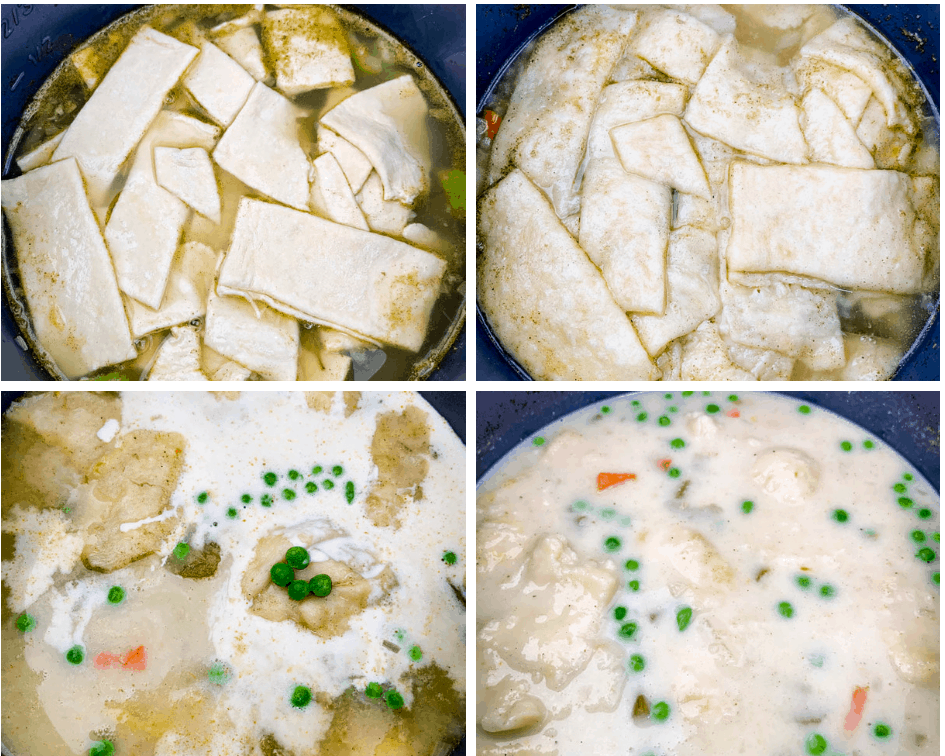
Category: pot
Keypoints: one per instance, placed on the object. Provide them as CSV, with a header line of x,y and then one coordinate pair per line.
x,y
504,31
37,38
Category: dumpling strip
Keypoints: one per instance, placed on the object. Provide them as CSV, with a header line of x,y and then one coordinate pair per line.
x,y
545,300
677,44
368,284
66,271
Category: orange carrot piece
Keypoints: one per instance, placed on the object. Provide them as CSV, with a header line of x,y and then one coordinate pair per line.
x,y
606,480
733,413
105,660
135,659
665,464
856,709
493,120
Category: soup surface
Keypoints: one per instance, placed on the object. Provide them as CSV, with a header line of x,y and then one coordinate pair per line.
x,y
240,574
242,192
707,574
705,192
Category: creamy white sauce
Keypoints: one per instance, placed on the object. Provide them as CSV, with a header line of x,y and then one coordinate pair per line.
x,y
230,445
741,678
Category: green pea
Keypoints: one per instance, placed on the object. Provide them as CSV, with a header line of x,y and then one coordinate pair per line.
x,y
415,653
924,514
674,472
907,476
181,551
75,655
846,446
641,418
231,513
660,711
664,421
936,577
612,544
677,443
905,502
317,470
712,408
605,409
202,497
373,690
449,557
102,748
246,498
281,574
815,744
632,564
733,397
841,515
882,730
394,700
803,581
785,609
634,585
294,474
868,444
804,409
936,537
620,612
608,514
297,558
270,479
337,470
667,396
265,500
918,536
25,622
634,403
706,393
116,594
899,488
688,393
538,441
637,663
747,506
674,408
925,554
827,591
298,590
288,494
320,585
683,618
218,673
327,484
349,491
301,697
579,506
627,630
311,487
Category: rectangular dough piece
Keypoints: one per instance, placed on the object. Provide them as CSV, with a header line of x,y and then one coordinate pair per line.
x,y
267,342
331,195
546,302
67,275
40,155
704,357
625,230
367,284
851,228
262,149
728,105
178,357
145,225
675,43
545,128
692,278
122,107
218,83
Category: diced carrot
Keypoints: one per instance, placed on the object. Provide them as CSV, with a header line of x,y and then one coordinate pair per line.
x,y
665,464
135,659
856,709
105,660
493,120
733,413
606,480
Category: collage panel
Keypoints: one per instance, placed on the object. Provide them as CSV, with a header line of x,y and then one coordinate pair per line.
x,y
241,192
233,573
707,572
707,193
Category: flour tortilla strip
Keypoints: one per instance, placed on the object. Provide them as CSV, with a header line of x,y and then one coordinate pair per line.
x,y
178,357
261,148
830,135
847,45
244,47
628,102
692,276
254,336
367,284
388,123
791,320
40,155
544,130
122,107
704,357
188,175
145,225
659,150
625,230
846,89
353,162
763,364
675,43
710,214
67,276
308,48
383,216
185,298
854,229
669,363
728,105
713,16
218,83
331,196
546,302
